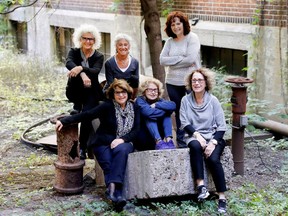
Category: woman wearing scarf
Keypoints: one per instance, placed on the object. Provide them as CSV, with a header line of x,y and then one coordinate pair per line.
x,y
203,121
113,140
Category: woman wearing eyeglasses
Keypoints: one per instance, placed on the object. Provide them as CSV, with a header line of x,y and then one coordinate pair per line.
x,y
84,63
180,54
203,121
122,65
156,123
114,138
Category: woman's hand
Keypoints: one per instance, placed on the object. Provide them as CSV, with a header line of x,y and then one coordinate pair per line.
x,y
209,149
75,71
116,142
201,140
58,125
86,80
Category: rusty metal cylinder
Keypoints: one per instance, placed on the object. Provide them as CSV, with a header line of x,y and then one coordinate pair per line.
x,y
238,100
68,167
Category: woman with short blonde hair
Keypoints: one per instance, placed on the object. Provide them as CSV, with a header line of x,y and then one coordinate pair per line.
x,y
156,123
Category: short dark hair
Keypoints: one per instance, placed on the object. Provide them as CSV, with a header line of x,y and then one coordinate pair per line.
x,y
170,19
121,83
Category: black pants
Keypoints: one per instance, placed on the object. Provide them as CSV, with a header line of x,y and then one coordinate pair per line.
x,y
213,162
175,94
86,99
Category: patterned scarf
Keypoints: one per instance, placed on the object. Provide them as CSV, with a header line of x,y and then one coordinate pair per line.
x,y
125,118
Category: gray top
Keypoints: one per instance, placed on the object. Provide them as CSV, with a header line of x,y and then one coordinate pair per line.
x,y
206,119
179,56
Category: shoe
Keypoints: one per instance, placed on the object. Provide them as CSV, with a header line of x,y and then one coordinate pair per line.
x,y
82,154
161,145
202,192
222,206
120,202
170,144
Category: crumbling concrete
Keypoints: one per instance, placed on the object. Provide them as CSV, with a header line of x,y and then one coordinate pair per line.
x,y
155,174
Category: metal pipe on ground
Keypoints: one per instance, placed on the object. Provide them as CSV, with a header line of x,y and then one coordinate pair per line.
x,y
274,126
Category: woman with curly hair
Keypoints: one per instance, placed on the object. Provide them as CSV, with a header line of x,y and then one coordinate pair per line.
x,y
84,63
156,123
203,121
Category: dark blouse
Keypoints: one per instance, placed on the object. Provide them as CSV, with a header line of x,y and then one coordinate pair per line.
x,y
131,75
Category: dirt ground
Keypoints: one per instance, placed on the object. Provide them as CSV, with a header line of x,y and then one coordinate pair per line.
x,y
27,175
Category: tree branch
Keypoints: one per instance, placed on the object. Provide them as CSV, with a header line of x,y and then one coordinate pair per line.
x,y
7,12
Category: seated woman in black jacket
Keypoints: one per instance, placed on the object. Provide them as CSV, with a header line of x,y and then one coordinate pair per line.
x,y
113,140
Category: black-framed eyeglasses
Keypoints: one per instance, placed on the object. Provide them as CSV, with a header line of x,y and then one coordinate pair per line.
x,y
87,39
200,81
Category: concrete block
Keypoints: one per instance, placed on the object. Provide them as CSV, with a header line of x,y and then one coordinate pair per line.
x,y
164,173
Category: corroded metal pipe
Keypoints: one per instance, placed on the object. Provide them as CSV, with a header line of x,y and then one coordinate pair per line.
x,y
68,167
238,100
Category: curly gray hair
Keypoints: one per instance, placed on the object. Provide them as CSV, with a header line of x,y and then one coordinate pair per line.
x,y
86,29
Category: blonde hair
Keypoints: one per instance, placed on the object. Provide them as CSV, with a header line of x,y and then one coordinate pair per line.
x,y
145,83
121,83
86,29
208,77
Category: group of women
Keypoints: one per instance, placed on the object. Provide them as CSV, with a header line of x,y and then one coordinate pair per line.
x,y
143,122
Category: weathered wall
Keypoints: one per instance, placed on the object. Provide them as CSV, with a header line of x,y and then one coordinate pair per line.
x,y
223,24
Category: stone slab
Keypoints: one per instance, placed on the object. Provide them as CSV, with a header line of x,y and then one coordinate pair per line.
x,y
164,173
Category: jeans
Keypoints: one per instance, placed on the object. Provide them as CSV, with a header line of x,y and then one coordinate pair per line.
x,y
213,162
113,161
165,125
175,94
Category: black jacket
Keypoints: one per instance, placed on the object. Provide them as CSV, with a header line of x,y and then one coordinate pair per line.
x,y
106,131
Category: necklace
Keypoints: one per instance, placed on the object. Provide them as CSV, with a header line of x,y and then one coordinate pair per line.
x,y
122,63
199,100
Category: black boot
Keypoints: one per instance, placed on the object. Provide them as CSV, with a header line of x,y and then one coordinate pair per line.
x,y
120,200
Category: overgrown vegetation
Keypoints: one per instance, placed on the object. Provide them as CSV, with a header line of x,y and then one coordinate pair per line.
x,y
32,90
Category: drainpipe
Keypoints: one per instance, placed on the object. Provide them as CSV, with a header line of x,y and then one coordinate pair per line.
x,y
239,120
68,167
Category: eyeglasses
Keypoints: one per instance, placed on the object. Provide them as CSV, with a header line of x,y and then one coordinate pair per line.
x,y
119,93
151,90
87,39
198,80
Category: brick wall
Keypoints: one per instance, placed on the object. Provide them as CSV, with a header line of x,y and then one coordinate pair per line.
x,y
269,12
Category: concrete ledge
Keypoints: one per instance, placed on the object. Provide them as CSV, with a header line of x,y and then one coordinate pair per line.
x,y
155,174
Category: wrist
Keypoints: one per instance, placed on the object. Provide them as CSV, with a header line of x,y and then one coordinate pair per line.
x,y
195,134
82,74
214,142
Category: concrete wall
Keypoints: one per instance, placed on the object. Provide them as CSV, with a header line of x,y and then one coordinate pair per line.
x,y
266,45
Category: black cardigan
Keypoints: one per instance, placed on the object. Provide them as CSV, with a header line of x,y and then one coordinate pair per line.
x,y
106,131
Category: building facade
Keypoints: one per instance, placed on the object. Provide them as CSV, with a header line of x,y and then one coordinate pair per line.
x,y
238,34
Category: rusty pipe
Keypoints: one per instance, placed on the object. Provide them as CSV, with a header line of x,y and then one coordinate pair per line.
x,y
238,100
